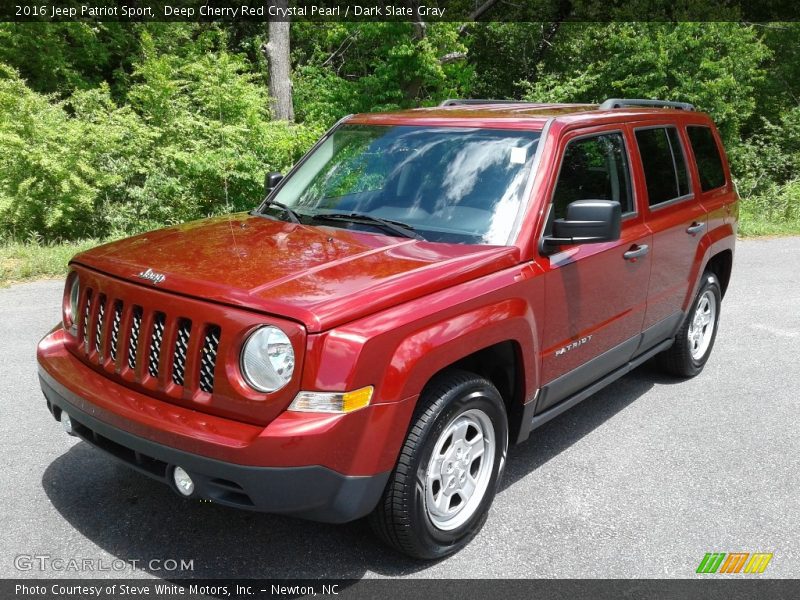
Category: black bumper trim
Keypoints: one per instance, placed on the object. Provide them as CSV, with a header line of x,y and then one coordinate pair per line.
x,y
312,492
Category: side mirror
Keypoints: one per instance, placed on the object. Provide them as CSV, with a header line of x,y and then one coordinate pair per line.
x,y
587,222
271,181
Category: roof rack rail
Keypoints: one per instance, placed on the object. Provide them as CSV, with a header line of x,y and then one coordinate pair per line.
x,y
465,101
624,102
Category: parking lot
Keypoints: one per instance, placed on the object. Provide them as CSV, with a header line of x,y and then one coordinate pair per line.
x,y
641,480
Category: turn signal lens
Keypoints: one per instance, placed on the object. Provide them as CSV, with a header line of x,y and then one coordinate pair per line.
x,y
332,402
357,399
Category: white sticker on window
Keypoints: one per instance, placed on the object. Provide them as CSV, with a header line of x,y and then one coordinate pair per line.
x,y
518,156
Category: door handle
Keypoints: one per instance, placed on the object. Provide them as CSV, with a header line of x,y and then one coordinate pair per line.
x,y
695,228
636,252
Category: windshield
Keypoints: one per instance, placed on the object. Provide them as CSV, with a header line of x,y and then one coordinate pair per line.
x,y
447,184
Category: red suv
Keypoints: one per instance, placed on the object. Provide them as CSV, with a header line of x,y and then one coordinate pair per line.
x,y
423,287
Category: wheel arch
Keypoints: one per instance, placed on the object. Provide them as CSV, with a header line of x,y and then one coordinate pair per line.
x,y
714,252
502,364
721,264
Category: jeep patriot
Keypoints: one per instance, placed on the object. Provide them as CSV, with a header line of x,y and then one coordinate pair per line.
x,y
424,288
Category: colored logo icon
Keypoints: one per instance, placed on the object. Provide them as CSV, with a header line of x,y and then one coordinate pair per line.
x,y
734,562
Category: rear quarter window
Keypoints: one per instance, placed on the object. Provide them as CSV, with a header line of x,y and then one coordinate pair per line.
x,y
707,156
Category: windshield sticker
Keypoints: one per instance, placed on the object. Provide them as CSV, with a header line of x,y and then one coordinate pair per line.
x,y
518,156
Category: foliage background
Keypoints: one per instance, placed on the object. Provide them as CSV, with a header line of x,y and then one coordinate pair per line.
x,y
112,128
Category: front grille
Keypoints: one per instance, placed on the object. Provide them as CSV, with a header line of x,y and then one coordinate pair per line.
x,y
152,329
208,358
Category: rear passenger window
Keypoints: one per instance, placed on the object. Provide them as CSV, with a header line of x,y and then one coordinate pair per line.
x,y
706,153
664,164
594,168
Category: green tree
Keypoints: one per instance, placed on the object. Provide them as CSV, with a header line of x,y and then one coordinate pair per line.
x,y
506,56
62,57
780,90
111,128
193,138
59,160
214,136
356,67
717,66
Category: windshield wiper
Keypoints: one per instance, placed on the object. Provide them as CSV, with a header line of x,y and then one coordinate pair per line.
x,y
293,216
396,227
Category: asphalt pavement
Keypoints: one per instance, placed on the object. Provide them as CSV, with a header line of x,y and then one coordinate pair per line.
x,y
639,481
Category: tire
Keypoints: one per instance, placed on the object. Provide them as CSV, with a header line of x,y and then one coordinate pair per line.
x,y
693,343
427,510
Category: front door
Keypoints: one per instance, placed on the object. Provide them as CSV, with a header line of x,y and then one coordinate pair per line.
x,y
595,294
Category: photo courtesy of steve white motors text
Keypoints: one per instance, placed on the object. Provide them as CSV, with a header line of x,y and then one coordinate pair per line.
x,y
192,590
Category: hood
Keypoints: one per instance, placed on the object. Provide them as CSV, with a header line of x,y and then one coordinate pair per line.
x,y
319,276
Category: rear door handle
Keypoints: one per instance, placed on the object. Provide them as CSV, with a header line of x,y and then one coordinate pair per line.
x,y
636,252
695,228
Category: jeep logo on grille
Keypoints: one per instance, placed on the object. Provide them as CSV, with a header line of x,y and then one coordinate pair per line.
x,y
151,275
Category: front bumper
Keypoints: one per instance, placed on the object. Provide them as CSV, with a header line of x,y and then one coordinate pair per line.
x,y
330,468
312,492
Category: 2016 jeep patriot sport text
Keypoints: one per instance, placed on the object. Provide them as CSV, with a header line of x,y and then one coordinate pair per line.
x,y
423,288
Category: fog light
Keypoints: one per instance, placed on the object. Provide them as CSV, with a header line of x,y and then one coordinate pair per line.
x,y
66,423
183,482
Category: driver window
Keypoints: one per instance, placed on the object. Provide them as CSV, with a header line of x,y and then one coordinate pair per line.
x,y
594,168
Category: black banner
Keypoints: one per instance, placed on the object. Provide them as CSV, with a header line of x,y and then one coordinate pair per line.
x,y
399,10
412,589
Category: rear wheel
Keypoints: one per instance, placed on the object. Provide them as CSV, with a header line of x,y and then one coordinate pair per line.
x,y
695,339
439,494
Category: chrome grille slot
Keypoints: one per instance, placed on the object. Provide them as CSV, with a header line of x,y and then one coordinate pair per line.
x,y
181,348
98,327
156,339
115,323
133,343
87,311
208,358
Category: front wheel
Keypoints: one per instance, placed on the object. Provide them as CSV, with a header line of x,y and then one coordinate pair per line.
x,y
439,494
688,354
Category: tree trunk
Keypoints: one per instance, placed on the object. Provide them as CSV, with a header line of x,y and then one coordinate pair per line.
x,y
276,51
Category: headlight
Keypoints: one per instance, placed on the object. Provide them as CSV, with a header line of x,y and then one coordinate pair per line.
x,y
71,299
267,359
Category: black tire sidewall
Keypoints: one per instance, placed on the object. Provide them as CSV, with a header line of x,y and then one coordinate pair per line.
x,y
475,395
710,282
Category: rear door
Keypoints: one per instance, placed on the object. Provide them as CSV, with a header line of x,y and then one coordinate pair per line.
x,y
595,294
677,220
710,172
